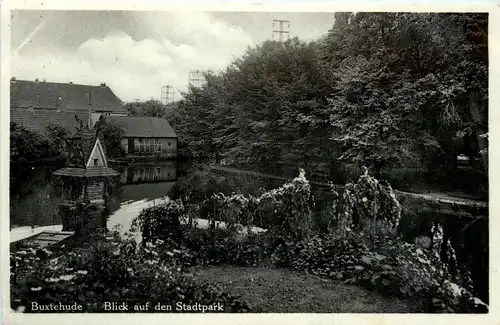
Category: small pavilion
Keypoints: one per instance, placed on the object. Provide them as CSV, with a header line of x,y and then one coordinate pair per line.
x,y
84,180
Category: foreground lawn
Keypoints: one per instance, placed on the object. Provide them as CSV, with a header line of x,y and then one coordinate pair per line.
x,y
285,291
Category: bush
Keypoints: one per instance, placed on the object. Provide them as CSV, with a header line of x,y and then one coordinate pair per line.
x,y
227,248
112,135
110,270
164,221
369,207
354,251
387,265
289,209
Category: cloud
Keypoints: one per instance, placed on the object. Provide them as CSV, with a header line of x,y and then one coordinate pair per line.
x,y
137,68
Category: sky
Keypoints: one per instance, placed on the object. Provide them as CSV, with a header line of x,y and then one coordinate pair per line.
x,y
137,52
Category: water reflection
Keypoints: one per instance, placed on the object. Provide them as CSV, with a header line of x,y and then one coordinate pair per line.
x,y
34,199
36,195
138,182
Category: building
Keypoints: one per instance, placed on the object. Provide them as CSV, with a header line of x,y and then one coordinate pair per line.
x,y
85,181
39,120
87,168
145,136
65,96
36,104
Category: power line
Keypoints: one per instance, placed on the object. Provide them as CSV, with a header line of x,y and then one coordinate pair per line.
x,y
167,94
197,78
283,30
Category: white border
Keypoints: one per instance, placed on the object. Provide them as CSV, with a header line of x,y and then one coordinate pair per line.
x,y
9,318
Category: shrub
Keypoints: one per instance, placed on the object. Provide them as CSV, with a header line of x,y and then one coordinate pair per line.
x,y
112,135
233,210
369,206
115,271
387,265
355,251
289,209
227,248
164,221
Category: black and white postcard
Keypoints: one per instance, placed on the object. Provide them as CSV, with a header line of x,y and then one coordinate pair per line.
x,y
222,162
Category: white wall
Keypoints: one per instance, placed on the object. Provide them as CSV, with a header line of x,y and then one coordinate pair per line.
x,y
96,154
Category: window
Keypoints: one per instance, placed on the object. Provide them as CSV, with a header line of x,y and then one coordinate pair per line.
x,y
158,145
96,161
140,145
148,174
157,174
149,145
169,144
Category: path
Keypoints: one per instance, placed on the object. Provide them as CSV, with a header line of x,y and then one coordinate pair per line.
x,y
123,217
286,291
20,233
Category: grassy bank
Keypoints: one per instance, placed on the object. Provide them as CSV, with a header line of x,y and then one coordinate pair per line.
x,y
274,290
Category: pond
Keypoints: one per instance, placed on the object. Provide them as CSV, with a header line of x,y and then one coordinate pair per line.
x,y
35,193
35,196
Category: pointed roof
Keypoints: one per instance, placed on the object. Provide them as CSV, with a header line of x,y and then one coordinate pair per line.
x,y
84,141
63,96
87,139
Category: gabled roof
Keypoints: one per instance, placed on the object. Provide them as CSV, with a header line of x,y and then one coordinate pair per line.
x,y
87,140
81,149
64,96
142,126
39,119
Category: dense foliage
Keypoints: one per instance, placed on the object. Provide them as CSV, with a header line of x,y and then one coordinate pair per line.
x,y
28,146
157,268
380,89
163,222
112,135
110,270
362,246
151,107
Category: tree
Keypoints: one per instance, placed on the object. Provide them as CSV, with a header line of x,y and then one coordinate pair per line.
x,y
408,75
57,138
380,89
23,144
252,110
112,135
153,108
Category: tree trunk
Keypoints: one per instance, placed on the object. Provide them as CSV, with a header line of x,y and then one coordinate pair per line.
x,y
482,142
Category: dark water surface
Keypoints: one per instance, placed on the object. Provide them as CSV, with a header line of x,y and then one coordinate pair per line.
x,y
35,195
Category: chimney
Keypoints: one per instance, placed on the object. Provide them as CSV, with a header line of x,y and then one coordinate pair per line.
x,y
103,84
13,79
36,79
71,82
